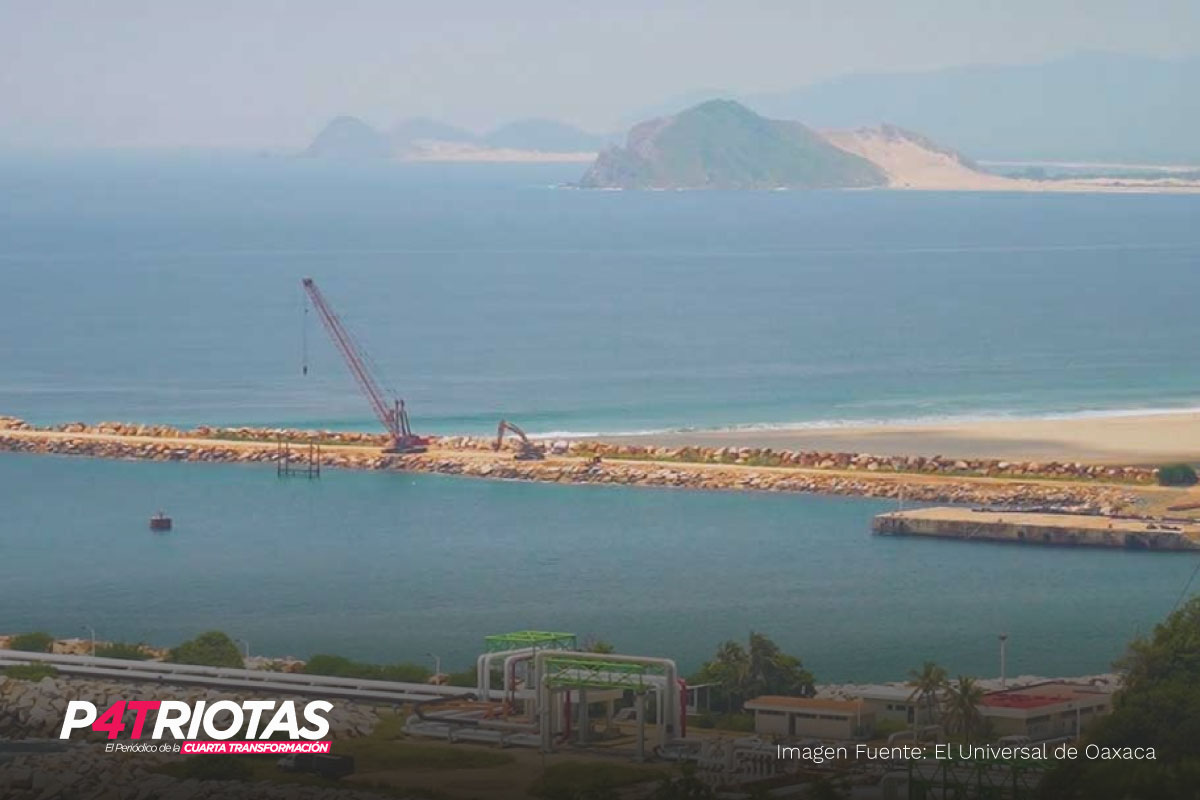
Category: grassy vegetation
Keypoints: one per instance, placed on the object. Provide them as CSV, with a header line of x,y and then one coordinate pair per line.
x,y
35,642
385,749
1177,475
570,779
262,769
125,650
465,678
341,667
30,672
209,649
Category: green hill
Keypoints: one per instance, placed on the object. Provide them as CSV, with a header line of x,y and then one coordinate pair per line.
x,y
722,144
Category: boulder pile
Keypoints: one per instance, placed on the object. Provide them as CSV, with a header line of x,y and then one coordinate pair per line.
x,y
1088,487
1081,498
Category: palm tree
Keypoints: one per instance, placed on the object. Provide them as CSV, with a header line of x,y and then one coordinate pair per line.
x,y
730,670
735,672
928,684
596,645
962,707
772,671
742,673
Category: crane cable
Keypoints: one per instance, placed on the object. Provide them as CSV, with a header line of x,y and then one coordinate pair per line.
x,y
1183,595
304,335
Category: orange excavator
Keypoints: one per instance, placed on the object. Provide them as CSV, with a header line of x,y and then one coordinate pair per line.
x,y
526,450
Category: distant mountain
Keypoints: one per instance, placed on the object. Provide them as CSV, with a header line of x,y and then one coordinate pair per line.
x,y
545,135
1088,107
349,138
416,129
722,144
424,139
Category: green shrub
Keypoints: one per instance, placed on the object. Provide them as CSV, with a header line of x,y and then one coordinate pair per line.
x,y
468,677
35,642
30,672
211,649
1177,475
129,652
342,667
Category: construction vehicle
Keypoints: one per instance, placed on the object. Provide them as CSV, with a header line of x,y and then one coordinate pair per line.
x,y
392,414
526,450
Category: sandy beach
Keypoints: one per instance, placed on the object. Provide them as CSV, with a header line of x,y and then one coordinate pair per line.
x,y
1145,439
912,162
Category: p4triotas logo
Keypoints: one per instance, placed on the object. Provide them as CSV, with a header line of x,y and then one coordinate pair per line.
x,y
257,722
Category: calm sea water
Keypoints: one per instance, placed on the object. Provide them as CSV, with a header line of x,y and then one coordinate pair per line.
x,y
389,567
167,290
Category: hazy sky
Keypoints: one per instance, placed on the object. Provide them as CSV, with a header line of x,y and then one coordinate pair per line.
x,y
269,73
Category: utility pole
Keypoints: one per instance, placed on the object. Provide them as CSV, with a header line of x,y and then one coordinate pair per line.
x,y
1003,653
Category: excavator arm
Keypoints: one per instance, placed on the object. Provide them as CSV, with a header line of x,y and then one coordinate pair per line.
x,y
526,450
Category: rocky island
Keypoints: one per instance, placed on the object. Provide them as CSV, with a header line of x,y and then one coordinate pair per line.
x,y
721,144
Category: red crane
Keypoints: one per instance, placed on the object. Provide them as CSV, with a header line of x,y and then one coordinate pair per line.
x,y
393,415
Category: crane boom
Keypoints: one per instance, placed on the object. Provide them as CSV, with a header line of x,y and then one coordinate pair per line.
x,y
392,415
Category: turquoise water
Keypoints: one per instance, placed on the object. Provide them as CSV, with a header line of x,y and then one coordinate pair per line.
x,y
389,566
160,289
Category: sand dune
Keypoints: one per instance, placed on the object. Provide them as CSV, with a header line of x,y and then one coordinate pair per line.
x,y
912,161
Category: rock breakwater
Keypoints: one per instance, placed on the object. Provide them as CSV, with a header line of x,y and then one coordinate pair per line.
x,y
1087,499
1083,487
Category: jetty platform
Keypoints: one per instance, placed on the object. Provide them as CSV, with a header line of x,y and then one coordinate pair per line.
x,y
1041,528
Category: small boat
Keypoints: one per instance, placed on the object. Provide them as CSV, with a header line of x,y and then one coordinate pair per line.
x,y
160,522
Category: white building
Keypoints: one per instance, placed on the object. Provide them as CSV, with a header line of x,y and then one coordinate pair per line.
x,y
810,718
899,704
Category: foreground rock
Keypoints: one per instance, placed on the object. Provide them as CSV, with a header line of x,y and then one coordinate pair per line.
x,y
88,773
35,710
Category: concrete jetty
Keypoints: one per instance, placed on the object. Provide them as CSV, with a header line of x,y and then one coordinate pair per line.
x,y
1041,528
